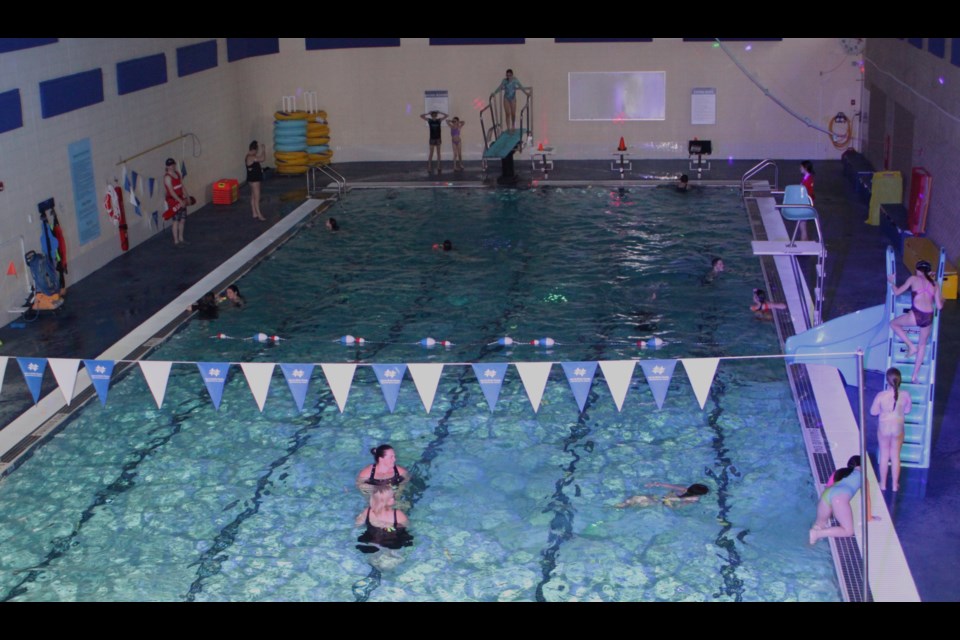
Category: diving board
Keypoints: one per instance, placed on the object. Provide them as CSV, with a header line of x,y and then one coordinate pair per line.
x,y
505,144
781,248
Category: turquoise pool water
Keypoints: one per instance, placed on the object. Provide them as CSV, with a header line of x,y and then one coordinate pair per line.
x,y
131,502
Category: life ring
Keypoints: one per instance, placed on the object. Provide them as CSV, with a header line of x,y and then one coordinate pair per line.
x,y
318,148
290,156
290,148
318,141
316,128
291,115
292,169
290,140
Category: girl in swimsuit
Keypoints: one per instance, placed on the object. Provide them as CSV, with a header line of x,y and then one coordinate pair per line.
x,y
926,294
891,406
679,495
761,308
383,472
456,124
835,501
255,155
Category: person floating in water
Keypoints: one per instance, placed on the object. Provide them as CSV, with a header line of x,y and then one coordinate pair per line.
x,y
926,294
716,268
678,495
383,472
433,121
332,224
386,526
206,307
891,405
683,184
761,307
446,245
835,501
233,296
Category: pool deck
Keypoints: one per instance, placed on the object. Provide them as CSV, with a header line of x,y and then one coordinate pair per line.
x,y
155,276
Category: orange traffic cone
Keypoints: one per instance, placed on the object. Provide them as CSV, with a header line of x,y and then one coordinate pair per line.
x,y
540,148
11,270
623,145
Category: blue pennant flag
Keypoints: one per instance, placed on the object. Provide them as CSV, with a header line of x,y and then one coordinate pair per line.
x,y
298,379
580,377
390,376
126,182
214,375
32,369
490,376
100,372
183,169
156,219
150,183
133,174
658,374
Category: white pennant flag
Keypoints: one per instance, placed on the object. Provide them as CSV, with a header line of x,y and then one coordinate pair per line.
x,y
701,372
156,372
534,377
65,373
339,377
258,376
3,369
426,376
617,374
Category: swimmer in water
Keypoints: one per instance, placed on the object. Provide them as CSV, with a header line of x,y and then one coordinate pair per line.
x,y
761,307
383,472
891,406
332,224
446,245
233,296
679,495
386,526
683,184
206,307
716,268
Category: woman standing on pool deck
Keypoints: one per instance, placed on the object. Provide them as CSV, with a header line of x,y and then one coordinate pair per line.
x,y
434,123
456,124
254,157
835,501
891,406
925,294
383,472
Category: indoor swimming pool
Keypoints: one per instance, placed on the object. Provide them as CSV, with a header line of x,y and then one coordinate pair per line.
x,y
191,502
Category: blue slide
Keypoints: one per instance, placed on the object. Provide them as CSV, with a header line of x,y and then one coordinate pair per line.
x,y
867,329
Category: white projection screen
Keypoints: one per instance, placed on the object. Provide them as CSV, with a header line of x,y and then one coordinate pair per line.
x,y
618,95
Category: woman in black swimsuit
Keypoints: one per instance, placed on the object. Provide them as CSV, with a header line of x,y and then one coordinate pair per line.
x,y
383,472
255,156
386,526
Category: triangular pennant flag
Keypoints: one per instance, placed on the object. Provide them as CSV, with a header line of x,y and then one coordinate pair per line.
x,y
658,374
490,376
701,372
100,372
156,219
617,374
124,179
3,369
151,182
183,169
258,376
339,377
135,202
156,373
214,375
390,376
426,376
298,379
580,376
133,179
12,269
32,370
534,377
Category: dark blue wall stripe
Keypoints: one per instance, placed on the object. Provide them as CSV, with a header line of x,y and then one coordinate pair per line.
x,y
565,40
198,57
15,44
141,73
455,41
937,46
240,48
67,93
917,42
314,44
955,51
733,39
11,114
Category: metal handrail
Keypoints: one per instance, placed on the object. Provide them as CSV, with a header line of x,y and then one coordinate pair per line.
x,y
491,133
331,173
763,164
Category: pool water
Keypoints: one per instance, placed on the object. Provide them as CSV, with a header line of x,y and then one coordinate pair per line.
x,y
131,502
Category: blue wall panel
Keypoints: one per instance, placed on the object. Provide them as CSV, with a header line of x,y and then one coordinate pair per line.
x,y
11,114
458,41
198,57
68,93
15,44
240,48
314,44
141,73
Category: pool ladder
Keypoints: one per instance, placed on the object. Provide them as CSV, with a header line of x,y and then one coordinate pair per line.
x,y
314,174
757,168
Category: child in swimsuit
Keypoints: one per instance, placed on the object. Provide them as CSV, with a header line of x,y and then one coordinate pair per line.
x,y
925,294
679,495
835,501
761,307
891,405
456,124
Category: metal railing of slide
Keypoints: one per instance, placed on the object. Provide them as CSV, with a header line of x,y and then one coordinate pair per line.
x,y
757,168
